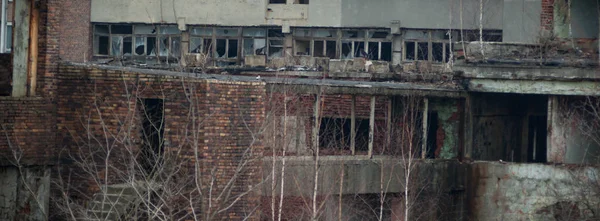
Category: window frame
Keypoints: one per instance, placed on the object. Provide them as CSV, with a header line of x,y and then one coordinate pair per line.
x,y
157,44
311,38
429,41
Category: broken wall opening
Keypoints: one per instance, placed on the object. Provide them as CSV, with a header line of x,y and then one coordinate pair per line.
x,y
152,117
509,127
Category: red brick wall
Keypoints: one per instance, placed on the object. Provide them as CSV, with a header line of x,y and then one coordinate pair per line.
x,y
48,40
26,125
75,38
221,118
547,17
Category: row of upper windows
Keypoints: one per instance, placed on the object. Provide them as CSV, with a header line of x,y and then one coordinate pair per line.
x,y
228,43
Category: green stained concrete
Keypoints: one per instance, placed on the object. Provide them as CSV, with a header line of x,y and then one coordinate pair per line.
x,y
446,109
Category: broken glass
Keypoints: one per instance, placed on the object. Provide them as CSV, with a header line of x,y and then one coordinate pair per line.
x,y
254,32
324,33
196,45
140,45
423,51
144,29
373,51
353,34
303,47
116,42
254,46
175,46
346,49
221,48
169,30
302,32
164,46
438,51
151,46
276,33
202,31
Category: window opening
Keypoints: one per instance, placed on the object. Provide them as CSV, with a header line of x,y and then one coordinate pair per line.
x,y
304,2
423,51
152,134
334,134
255,42
275,47
537,139
277,1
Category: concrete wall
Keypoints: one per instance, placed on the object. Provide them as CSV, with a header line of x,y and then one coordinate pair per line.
x,y
530,191
521,20
24,193
331,13
434,14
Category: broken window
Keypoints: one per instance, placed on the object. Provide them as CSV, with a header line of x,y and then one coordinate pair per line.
x,y
201,41
353,44
275,47
169,43
226,43
101,39
428,45
255,41
277,2
335,134
316,42
145,40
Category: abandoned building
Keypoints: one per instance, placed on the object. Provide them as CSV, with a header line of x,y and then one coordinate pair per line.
x,y
299,110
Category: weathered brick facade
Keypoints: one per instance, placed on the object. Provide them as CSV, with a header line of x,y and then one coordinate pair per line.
x,y
219,118
547,16
27,130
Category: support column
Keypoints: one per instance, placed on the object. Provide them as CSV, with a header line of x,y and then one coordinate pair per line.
x,y
185,45
425,128
371,126
353,125
317,123
20,51
388,134
468,134
556,147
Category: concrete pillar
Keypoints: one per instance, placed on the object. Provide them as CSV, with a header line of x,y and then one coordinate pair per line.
x,y
353,125
20,51
397,49
371,126
425,128
556,146
468,127
185,45
317,122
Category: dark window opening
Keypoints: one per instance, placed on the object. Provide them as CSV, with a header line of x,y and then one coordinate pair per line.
x,y
221,48
379,34
151,48
374,50
207,50
103,45
276,1
438,52
386,51
127,46
319,49
359,50
121,29
346,49
275,33
330,50
423,51
304,2
432,128
536,150
233,49
334,134
152,134
410,50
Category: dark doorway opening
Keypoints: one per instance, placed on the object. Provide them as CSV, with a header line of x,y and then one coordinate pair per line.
x,y
536,149
432,128
152,134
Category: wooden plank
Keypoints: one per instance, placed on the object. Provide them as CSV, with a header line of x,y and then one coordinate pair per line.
x,y
33,48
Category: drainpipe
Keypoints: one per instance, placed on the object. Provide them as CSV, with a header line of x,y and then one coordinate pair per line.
x,y
3,28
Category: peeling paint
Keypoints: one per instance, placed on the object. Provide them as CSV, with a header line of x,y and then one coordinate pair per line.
x,y
447,134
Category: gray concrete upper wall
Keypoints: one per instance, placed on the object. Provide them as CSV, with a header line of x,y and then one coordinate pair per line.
x,y
584,20
432,14
521,21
